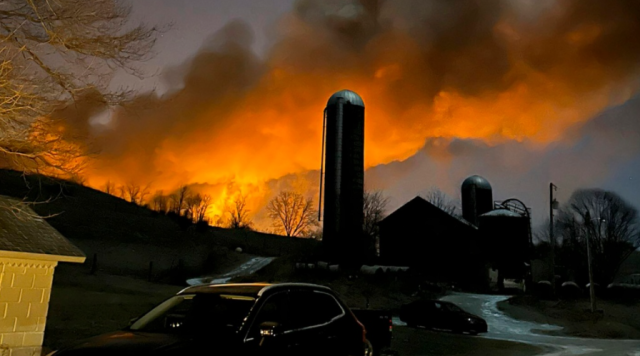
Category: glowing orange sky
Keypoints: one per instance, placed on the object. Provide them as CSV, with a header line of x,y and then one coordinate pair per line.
x,y
242,120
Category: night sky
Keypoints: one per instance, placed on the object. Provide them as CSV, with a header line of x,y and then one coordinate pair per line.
x,y
193,21
524,94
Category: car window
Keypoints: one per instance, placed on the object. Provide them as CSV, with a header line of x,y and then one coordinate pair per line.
x,y
313,308
452,308
274,309
195,313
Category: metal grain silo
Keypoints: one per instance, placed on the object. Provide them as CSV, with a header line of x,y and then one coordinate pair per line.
x,y
344,176
477,198
505,238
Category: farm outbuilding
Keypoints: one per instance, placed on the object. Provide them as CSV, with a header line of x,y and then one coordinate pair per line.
x,y
449,248
30,249
428,239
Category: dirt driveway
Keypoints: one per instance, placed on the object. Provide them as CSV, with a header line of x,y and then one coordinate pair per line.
x,y
503,327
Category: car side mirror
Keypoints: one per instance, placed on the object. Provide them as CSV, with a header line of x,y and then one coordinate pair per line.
x,y
269,329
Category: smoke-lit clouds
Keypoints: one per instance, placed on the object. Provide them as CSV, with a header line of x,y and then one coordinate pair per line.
x,y
607,144
488,85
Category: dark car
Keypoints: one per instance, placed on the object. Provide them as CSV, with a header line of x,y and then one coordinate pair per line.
x,y
238,319
436,314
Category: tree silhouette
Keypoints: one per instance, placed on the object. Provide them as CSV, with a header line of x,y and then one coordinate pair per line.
x,y
374,209
178,200
608,222
160,202
292,214
52,54
135,193
109,188
239,214
439,199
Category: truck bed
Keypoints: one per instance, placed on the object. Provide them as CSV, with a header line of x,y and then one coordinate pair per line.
x,y
379,327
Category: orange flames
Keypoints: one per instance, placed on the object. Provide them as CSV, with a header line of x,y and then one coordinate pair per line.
x,y
243,125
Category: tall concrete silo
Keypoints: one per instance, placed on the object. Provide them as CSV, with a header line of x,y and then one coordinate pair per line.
x,y
343,154
477,198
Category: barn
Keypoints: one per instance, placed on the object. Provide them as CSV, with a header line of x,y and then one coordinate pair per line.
x,y
430,240
447,248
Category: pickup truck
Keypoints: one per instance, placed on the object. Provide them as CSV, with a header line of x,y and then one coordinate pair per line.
x,y
240,319
379,327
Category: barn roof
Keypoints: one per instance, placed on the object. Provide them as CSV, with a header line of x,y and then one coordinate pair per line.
x,y
24,234
419,203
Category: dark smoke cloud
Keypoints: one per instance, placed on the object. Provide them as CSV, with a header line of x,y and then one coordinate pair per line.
x,y
212,85
602,147
488,85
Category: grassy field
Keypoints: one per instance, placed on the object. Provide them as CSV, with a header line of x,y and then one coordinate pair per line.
x,y
614,321
84,305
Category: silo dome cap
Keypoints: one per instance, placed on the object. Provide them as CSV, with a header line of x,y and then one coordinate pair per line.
x,y
478,181
348,96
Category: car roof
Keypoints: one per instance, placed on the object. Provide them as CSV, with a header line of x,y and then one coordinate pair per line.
x,y
250,289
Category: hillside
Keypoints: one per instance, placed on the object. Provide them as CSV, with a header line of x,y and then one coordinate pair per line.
x,y
126,237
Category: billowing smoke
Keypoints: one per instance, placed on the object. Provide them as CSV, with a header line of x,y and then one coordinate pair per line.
x,y
496,86
519,170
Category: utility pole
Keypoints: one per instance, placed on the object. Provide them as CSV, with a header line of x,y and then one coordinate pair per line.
x,y
592,290
552,238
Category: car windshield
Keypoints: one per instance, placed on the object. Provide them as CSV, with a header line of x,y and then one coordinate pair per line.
x,y
448,307
196,313
452,308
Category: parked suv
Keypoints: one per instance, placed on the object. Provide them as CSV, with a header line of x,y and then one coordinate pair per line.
x,y
238,319
437,314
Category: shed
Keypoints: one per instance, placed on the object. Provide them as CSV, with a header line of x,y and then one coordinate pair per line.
x,y
30,249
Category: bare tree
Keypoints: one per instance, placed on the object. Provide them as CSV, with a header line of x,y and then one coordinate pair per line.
x,y
605,221
239,214
109,188
374,208
122,192
196,207
51,54
292,214
202,208
134,193
160,202
178,200
191,203
440,200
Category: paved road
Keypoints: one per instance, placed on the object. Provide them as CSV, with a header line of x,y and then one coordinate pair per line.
x,y
502,327
245,269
